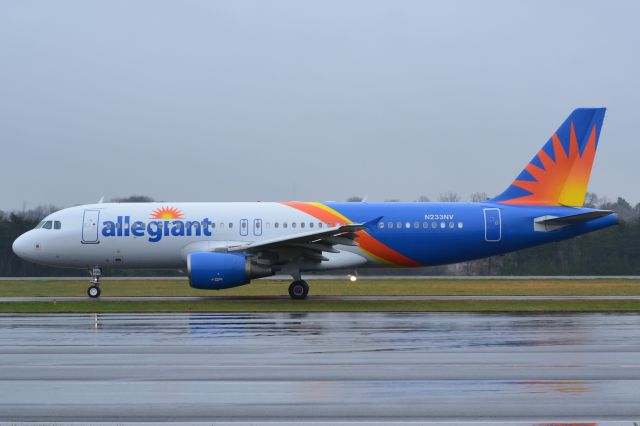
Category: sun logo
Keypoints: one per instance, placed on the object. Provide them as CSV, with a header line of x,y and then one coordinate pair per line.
x,y
562,181
166,213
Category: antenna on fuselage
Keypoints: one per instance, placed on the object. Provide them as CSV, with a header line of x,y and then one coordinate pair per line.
x,y
101,200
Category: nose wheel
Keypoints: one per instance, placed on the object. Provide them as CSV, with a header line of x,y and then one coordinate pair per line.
x,y
298,290
94,290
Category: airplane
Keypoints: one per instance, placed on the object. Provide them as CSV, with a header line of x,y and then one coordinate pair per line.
x,y
224,245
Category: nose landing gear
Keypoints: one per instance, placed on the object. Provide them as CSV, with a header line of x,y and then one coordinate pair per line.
x,y
94,290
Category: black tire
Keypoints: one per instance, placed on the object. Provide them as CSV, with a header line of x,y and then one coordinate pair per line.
x,y
93,292
298,290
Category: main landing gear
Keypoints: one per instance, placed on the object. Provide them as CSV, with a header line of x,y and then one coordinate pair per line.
x,y
94,290
298,289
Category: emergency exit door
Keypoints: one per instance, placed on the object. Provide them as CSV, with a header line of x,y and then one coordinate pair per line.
x,y
257,227
244,227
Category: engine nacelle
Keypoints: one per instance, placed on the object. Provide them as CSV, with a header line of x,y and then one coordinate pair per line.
x,y
215,271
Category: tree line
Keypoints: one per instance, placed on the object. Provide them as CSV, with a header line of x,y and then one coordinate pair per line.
x,y
611,251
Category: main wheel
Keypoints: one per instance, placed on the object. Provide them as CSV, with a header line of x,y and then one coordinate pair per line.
x,y
93,291
298,290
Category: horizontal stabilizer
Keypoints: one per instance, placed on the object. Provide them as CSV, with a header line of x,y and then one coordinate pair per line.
x,y
549,223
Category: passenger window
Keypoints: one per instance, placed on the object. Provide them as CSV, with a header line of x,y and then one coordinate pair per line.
x,y
57,225
276,225
268,225
221,225
230,225
381,225
451,225
293,224
434,225
416,225
459,225
319,224
442,225
310,224
425,225
301,224
213,225
390,225
243,224
47,225
284,224
399,225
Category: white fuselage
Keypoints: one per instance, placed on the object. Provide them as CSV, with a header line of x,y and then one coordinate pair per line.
x,y
131,235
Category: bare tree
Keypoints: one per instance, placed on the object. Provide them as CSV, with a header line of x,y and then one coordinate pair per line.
x,y
355,199
37,213
449,197
133,199
592,200
423,199
478,197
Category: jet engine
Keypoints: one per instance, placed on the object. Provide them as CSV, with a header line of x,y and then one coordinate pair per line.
x,y
215,271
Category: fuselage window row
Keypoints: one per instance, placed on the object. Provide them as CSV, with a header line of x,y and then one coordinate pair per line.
x,y
277,225
416,225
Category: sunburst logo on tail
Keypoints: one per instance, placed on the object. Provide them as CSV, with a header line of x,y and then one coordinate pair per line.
x,y
562,181
166,213
558,175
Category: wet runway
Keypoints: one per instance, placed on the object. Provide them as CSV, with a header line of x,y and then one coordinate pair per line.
x,y
319,367
311,297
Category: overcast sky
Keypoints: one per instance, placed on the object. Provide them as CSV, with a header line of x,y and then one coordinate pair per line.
x,y
310,100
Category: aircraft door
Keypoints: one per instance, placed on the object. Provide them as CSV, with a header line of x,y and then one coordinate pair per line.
x,y
257,227
244,227
90,226
492,225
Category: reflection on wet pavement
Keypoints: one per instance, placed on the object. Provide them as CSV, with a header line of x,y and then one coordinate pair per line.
x,y
352,366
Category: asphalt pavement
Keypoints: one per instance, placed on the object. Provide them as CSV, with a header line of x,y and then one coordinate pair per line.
x,y
320,367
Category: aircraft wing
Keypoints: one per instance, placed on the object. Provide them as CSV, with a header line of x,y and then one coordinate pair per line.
x,y
309,245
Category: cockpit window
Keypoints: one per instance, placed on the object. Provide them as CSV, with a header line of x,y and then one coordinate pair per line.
x,y
57,225
47,225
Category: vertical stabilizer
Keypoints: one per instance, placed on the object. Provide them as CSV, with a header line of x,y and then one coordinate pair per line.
x,y
559,174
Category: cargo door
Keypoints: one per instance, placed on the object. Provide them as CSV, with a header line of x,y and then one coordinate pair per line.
x,y
492,225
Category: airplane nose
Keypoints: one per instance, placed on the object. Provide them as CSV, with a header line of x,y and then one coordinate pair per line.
x,y
20,246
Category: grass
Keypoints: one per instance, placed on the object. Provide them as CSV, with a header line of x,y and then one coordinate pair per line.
x,y
363,287
461,287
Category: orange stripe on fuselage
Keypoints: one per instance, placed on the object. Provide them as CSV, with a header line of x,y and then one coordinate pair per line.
x,y
321,214
368,244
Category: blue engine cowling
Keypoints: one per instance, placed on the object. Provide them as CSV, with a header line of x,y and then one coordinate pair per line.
x,y
215,271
